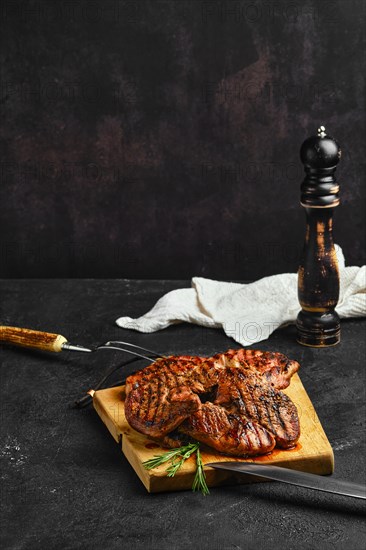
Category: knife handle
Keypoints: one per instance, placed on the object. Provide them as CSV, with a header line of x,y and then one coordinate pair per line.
x,y
35,339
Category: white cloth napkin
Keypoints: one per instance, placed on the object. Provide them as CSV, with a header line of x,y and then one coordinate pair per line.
x,y
248,313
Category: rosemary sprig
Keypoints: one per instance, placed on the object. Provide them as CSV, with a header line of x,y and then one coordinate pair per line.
x,y
172,455
199,482
181,458
177,457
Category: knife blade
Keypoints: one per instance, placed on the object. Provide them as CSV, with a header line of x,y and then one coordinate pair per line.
x,y
294,477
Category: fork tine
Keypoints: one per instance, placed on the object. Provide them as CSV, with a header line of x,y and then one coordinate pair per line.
x,y
107,346
133,346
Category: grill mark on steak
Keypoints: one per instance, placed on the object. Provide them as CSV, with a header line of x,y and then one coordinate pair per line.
x,y
158,412
275,367
253,427
145,404
170,377
269,418
149,398
279,416
228,433
157,401
257,434
248,412
260,402
175,400
149,401
253,411
244,436
284,428
145,393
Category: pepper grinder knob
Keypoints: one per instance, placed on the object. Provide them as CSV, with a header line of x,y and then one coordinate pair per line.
x,y
318,323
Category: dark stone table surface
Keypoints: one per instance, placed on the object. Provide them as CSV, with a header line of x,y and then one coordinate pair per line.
x,y
64,481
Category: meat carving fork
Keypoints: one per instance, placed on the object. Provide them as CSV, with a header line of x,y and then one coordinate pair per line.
x,y
56,343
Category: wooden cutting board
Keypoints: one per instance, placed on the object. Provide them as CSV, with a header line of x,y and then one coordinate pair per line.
x,y
312,453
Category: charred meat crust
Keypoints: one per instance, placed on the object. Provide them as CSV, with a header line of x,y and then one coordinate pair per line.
x,y
230,402
232,434
245,393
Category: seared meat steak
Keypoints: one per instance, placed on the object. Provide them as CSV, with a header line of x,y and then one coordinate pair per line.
x,y
243,392
161,396
230,401
232,434
274,367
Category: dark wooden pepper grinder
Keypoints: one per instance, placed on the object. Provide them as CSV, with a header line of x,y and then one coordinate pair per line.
x,y
318,277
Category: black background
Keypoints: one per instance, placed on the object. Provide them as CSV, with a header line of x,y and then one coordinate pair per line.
x,y
160,139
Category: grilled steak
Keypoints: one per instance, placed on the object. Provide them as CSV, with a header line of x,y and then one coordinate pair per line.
x,y
232,434
161,396
244,392
230,401
158,400
274,367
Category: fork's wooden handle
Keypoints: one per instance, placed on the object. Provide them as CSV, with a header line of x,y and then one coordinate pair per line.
x,y
28,338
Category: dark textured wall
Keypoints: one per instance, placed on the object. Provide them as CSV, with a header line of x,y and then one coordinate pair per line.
x,y
160,139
